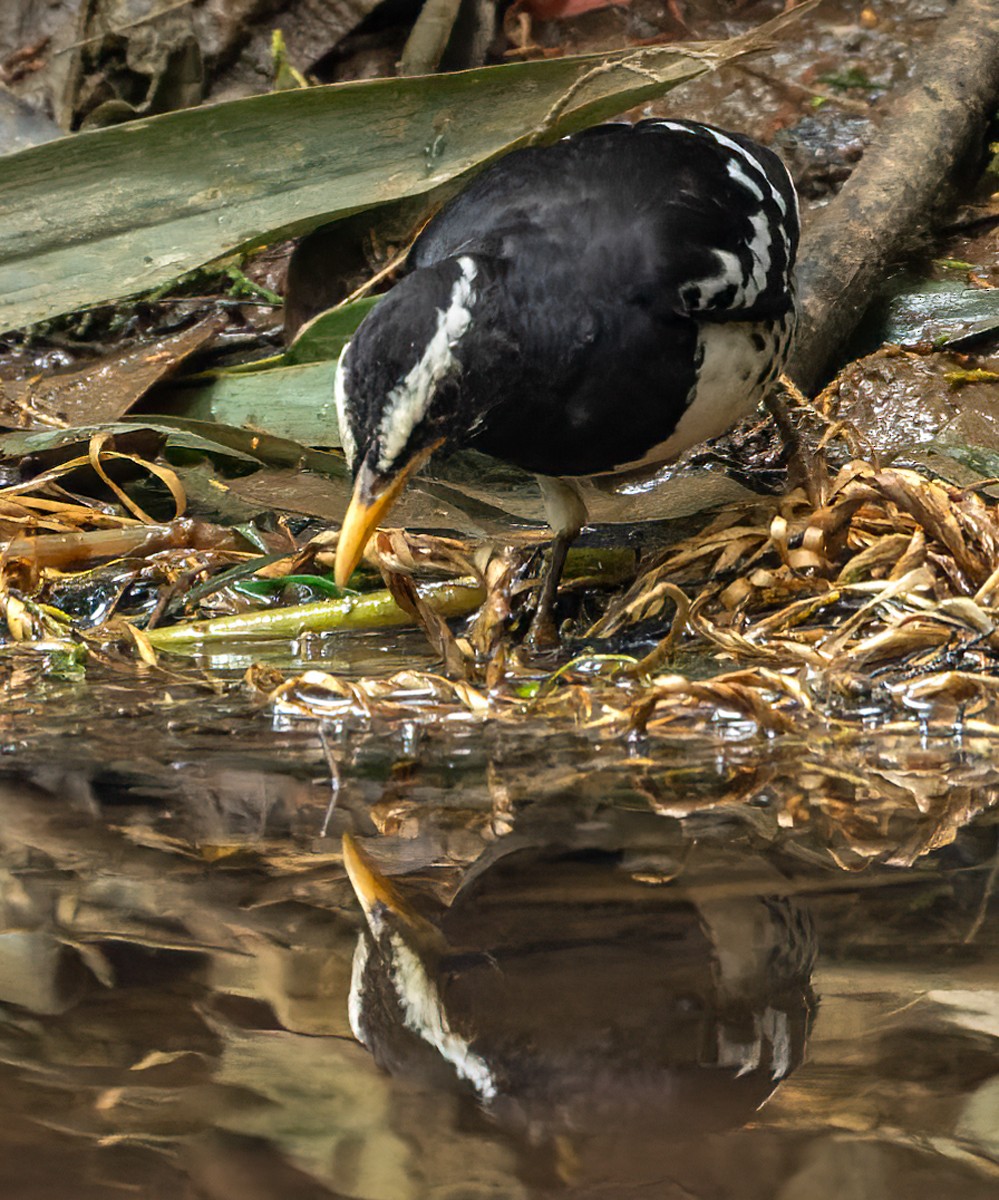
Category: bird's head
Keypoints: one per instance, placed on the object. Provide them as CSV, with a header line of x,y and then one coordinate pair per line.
x,y
397,392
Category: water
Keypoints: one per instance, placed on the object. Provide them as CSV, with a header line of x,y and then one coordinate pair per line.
x,y
706,964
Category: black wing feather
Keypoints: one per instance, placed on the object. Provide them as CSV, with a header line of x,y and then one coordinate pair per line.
x,y
640,212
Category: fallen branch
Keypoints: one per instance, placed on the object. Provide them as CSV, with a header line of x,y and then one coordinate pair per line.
x,y
428,40
64,550
904,179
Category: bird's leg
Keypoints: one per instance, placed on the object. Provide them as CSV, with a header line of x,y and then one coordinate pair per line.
x,y
543,634
800,461
566,514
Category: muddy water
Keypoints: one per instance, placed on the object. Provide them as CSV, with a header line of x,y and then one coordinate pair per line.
x,y
714,965
710,965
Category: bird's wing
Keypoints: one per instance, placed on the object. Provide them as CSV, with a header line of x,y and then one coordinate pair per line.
x,y
670,215
545,358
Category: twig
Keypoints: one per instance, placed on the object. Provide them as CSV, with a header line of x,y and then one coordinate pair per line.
x,y
983,906
390,267
428,38
334,766
631,63
798,91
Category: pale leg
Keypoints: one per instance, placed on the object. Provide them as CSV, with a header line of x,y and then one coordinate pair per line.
x,y
566,514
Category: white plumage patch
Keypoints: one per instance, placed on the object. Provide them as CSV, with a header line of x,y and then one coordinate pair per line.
x,y
743,1056
728,388
340,400
355,1006
777,1031
420,1004
745,169
409,400
774,192
727,385
751,161
759,247
730,275
771,1031
424,1014
736,172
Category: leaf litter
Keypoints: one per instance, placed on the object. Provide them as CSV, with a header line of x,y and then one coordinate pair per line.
x,y
878,596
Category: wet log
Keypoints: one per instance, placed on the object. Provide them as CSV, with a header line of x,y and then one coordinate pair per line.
x,y
902,184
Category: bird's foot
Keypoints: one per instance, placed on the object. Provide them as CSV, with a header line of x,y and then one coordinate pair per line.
x,y
542,637
803,465
566,513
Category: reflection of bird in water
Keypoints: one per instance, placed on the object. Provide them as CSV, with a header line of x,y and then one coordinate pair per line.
x,y
573,997
590,308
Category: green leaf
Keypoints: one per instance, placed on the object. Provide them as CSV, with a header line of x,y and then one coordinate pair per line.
x,y
319,340
272,587
302,376
18,444
851,77
112,212
215,440
325,336
304,413
939,313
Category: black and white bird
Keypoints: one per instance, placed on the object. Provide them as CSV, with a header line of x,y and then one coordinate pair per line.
x,y
589,308
571,997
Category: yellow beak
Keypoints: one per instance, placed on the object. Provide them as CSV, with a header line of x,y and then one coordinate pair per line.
x,y
362,518
365,513
379,898
370,886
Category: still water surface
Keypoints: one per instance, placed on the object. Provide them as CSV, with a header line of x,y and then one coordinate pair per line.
x,y
709,966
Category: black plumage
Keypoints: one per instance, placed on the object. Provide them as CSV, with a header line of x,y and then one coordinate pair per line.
x,y
574,999
585,308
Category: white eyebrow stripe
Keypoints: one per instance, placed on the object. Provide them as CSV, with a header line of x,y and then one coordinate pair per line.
x,y
347,440
355,1001
408,402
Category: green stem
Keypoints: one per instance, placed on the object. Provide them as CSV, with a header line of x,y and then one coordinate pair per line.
x,y
372,610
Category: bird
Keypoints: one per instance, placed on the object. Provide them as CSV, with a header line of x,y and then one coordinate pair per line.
x,y
565,993
587,309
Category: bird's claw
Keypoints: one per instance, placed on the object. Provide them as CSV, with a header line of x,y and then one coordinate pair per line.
x,y
542,637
